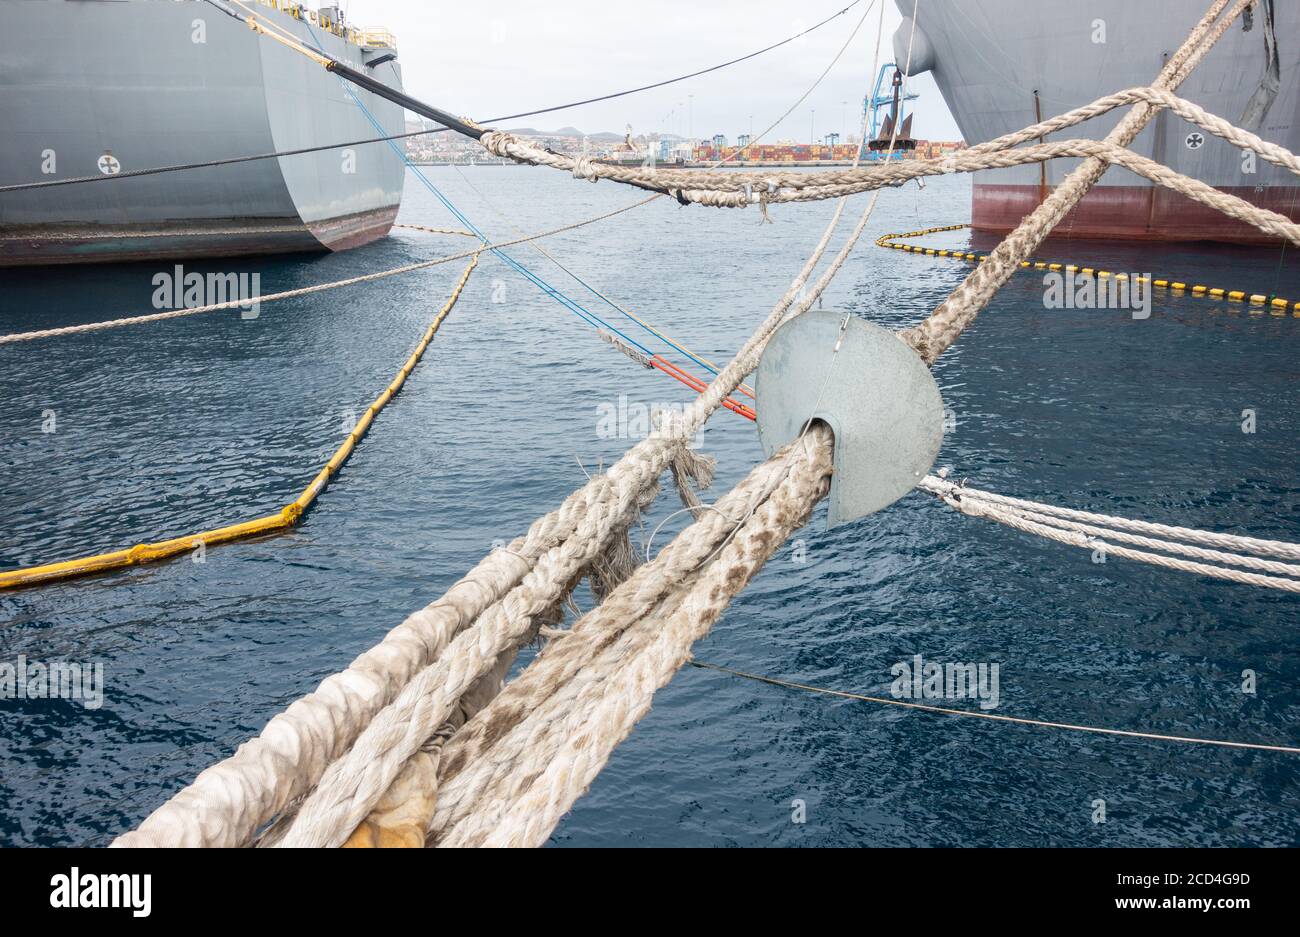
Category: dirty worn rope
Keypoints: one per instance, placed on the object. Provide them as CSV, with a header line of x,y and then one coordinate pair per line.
x,y
616,690
230,801
324,768
993,154
481,755
739,189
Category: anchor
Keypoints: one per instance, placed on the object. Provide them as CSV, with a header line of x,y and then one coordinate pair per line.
x,y
874,392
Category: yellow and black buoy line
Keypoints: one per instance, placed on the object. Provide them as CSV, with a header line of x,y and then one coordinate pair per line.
x,y
1277,304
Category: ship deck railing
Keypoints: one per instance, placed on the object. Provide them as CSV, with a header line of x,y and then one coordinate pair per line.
x,y
375,37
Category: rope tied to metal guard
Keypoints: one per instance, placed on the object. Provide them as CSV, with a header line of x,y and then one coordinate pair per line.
x,y
420,741
636,355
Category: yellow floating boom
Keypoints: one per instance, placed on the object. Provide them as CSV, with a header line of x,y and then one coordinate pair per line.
x,y
287,517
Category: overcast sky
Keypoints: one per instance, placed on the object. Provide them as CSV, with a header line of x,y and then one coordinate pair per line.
x,y
491,58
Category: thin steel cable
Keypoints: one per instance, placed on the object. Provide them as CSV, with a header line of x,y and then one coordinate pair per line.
x,y
995,717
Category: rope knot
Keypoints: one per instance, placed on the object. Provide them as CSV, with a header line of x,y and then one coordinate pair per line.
x,y
496,143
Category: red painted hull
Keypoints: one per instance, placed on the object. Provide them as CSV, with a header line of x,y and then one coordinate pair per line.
x,y
341,234
1134,213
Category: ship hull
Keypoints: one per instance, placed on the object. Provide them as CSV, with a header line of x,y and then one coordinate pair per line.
x,y
989,60
1133,213
156,83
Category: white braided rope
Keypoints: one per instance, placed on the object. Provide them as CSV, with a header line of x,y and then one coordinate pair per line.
x,y
1200,553
483,753
617,689
1278,548
1032,518
334,806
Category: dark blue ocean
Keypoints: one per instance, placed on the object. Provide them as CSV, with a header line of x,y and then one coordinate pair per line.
x,y
171,428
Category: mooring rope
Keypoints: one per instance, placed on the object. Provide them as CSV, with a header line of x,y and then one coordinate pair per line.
x,y
328,765
740,189
480,756
945,324
938,485
1090,532
992,154
556,769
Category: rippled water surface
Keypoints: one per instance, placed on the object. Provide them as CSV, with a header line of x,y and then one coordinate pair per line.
x,y
170,428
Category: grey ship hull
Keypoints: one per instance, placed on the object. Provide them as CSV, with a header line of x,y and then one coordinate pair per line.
x,y
989,57
83,78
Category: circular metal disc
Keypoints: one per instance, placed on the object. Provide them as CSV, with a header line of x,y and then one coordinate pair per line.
x,y
876,394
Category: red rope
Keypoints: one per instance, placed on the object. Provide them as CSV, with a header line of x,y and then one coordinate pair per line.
x,y
698,385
